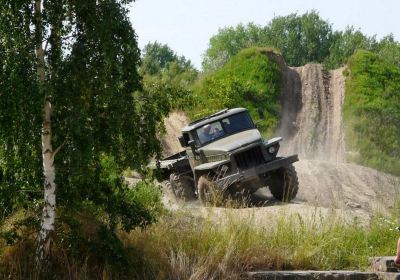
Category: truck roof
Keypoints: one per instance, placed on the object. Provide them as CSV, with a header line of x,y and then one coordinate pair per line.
x,y
211,118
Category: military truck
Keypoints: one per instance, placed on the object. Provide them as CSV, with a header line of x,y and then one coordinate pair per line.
x,y
225,157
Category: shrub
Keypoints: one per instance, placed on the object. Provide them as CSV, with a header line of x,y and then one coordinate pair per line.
x,y
251,79
372,112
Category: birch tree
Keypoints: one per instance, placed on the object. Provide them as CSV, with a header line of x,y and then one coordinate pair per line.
x,y
68,73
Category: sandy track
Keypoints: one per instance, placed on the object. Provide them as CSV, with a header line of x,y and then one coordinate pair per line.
x,y
312,126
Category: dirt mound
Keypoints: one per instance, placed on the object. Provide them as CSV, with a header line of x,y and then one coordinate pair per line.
x,y
173,125
346,186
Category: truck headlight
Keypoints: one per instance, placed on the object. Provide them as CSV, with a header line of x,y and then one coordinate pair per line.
x,y
271,150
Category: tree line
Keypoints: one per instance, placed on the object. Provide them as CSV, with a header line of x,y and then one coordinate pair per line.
x,y
300,39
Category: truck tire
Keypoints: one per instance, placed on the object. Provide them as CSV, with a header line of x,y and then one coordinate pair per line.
x,y
183,187
284,183
208,192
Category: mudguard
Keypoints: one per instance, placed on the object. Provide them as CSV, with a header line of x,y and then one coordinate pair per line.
x,y
210,165
272,141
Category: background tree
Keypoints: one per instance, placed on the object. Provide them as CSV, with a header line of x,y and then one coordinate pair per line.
x,y
345,43
67,76
389,49
300,38
229,41
168,74
156,57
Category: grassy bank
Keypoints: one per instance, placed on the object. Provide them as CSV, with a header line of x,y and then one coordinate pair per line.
x,y
184,246
372,112
250,79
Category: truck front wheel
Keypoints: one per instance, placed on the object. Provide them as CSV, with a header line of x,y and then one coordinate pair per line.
x,y
284,183
209,193
183,186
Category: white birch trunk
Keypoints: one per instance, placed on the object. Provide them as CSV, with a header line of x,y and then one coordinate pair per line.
x,y
49,210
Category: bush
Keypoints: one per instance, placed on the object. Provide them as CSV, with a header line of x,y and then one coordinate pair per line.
x,y
372,112
87,243
251,79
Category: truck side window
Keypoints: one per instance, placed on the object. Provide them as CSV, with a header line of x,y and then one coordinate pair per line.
x,y
210,132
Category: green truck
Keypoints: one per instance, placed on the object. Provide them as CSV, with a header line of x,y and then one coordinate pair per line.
x,y
224,157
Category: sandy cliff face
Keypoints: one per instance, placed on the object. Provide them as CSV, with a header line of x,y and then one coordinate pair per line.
x,y
312,126
173,125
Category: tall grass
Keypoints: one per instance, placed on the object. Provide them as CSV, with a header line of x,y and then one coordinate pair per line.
x,y
224,244
185,247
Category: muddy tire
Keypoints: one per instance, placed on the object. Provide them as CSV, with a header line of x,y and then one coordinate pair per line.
x,y
284,183
208,192
183,187
240,196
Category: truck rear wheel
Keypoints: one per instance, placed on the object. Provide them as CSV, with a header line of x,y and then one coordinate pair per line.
x,y
209,193
183,186
284,183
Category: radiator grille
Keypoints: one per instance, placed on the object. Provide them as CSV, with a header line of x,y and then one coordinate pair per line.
x,y
249,158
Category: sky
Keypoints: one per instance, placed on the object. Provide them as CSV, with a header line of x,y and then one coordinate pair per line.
x,y
187,25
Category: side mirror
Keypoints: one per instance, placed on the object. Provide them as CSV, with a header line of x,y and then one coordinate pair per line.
x,y
182,141
192,145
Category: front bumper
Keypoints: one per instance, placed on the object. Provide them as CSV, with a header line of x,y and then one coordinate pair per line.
x,y
255,172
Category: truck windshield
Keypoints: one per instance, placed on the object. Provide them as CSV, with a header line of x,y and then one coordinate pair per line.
x,y
221,128
238,122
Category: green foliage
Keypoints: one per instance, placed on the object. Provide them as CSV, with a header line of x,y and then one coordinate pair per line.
x,y
20,109
156,58
372,112
168,76
86,233
187,246
251,79
229,41
198,248
102,121
85,246
389,50
345,43
300,38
